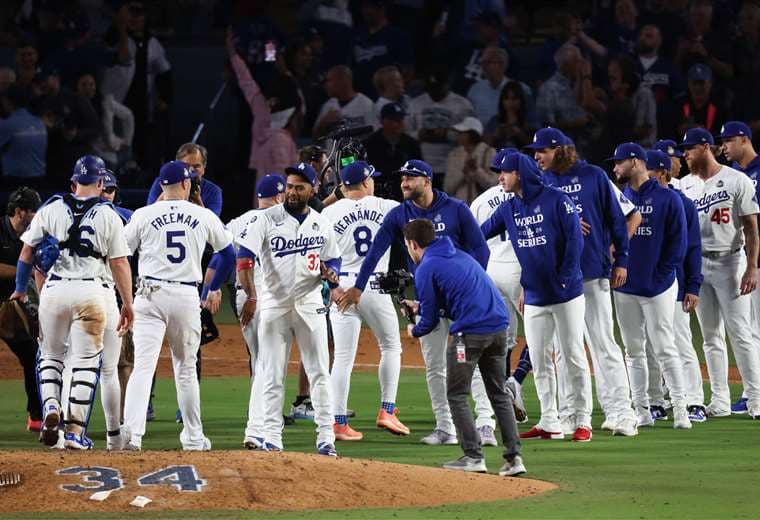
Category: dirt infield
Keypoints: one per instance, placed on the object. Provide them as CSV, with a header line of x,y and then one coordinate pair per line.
x,y
240,480
228,356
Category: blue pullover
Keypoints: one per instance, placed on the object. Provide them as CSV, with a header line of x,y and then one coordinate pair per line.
x,y
545,231
453,281
590,190
753,172
689,273
211,195
451,217
658,247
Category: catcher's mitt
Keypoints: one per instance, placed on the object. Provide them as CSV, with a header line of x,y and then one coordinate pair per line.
x,y
18,320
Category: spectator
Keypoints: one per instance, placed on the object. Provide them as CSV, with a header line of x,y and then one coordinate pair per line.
x,y
568,28
299,61
559,99
274,128
27,60
661,76
747,67
510,127
432,114
468,70
330,27
143,84
700,108
388,148
484,94
23,138
389,84
468,171
344,103
7,78
379,44
109,145
619,36
668,17
702,45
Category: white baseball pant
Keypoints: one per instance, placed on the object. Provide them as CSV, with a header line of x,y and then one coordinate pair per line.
x,y
506,278
562,322
110,389
275,331
378,311
720,301
639,317
171,309
434,347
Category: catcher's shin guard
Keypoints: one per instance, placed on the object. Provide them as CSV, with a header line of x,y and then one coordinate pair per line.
x,y
84,384
49,379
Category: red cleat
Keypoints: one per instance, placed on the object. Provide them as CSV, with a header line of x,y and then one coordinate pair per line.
x,y
538,433
582,434
343,432
33,425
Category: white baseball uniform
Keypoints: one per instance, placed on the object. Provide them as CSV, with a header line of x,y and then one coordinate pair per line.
x,y
355,223
290,302
75,305
721,202
170,236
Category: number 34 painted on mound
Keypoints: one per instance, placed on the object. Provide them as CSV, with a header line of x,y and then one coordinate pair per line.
x,y
98,478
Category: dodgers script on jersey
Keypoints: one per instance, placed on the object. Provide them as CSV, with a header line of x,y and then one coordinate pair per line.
x,y
237,227
101,225
355,224
290,254
485,206
721,201
171,236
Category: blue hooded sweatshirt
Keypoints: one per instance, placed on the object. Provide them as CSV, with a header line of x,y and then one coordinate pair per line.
x,y
753,172
689,273
450,280
451,217
546,234
590,190
659,246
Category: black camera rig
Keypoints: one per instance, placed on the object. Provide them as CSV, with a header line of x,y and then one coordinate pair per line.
x,y
395,283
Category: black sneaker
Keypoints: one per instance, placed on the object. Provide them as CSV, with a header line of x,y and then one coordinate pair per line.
x,y
658,413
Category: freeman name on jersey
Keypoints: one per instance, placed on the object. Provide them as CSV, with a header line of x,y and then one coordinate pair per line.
x,y
174,218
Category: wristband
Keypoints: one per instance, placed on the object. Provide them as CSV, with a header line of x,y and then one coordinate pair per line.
x,y
23,274
244,264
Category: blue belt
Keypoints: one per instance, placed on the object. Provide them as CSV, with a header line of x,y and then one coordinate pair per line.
x,y
191,284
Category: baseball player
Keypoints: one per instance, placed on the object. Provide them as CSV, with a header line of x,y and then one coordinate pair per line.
x,y
670,147
736,144
82,237
727,207
604,224
295,247
689,275
170,236
356,219
269,190
451,218
543,225
645,302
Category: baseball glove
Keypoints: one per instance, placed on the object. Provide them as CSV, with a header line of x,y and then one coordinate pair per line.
x,y
18,320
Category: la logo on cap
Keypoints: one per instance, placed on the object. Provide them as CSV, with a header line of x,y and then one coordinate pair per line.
x,y
406,165
535,137
671,150
280,187
723,129
302,166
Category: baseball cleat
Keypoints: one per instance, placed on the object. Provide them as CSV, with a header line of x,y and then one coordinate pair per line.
x,y
740,406
487,436
74,441
538,433
390,422
468,464
713,410
568,425
204,446
33,425
697,413
658,413
626,428
513,468
610,423
326,448
150,414
50,425
303,411
178,417
582,434
350,413
438,438
643,418
344,432
521,413
255,443
288,420
681,419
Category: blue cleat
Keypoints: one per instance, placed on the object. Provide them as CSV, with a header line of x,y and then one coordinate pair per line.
x,y
740,406
326,448
150,414
658,413
178,417
697,414
73,441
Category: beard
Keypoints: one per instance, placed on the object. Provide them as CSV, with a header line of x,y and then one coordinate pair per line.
x,y
645,48
295,207
413,194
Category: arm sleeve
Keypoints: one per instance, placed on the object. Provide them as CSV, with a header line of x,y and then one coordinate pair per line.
x,y
244,252
615,221
214,202
571,229
216,259
425,289
387,233
693,277
674,245
225,264
155,191
746,198
476,242
494,226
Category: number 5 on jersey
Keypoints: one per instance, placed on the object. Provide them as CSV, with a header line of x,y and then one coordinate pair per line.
x,y
174,241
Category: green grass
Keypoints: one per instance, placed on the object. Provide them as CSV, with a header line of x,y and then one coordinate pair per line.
x,y
708,472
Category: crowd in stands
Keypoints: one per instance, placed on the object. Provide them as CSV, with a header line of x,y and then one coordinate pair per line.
x,y
450,82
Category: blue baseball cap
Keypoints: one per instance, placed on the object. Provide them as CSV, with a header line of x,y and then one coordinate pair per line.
x,y
668,146
270,185
658,160
357,172
699,72
735,129
88,169
511,162
629,151
109,180
696,136
416,168
305,171
499,158
548,138
392,111
175,172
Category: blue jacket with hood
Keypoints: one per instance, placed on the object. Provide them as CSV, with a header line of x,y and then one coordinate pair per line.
x,y
689,272
451,217
545,231
658,247
450,280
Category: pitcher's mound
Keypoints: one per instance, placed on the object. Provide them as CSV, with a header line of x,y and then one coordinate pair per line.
x,y
65,481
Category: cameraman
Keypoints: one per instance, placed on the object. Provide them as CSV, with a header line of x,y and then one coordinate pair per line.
x,y
206,194
452,281
22,205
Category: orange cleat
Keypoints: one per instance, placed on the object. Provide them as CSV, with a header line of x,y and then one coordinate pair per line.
x,y
582,434
390,422
344,432
33,425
